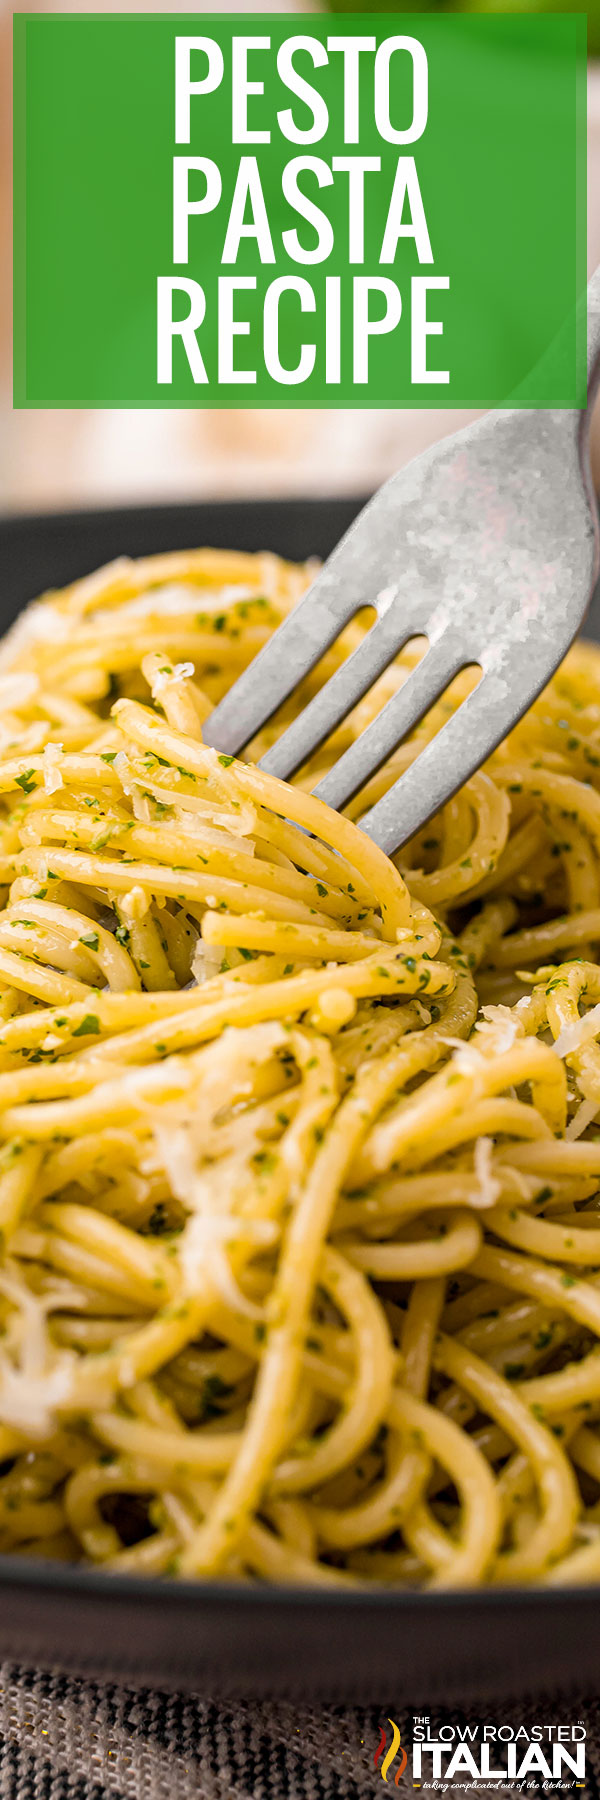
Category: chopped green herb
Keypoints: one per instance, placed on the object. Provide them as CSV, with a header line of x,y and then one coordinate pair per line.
x,y
26,781
89,1026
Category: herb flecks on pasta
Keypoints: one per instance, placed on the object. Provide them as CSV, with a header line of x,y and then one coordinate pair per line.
x,y
299,1167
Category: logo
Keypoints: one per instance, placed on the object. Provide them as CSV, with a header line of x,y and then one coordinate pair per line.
x,y
391,1753
543,1757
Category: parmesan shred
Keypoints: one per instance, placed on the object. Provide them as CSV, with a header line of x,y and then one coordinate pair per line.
x,y
180,672
35,1379
585,1115
500,1027
489,1186
572,1037
52,758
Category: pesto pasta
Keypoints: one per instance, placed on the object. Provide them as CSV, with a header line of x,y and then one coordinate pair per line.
x,y
299,1146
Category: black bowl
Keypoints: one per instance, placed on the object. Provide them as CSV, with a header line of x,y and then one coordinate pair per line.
x,y
416,1649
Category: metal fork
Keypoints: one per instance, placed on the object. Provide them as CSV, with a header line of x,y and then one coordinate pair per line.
x,y
487,545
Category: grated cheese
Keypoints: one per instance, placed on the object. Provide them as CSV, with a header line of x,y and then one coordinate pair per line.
x,y
490,1187
500,1028
467,1058
586,1113
51,759
35,1377
166,677
573,1036
206,961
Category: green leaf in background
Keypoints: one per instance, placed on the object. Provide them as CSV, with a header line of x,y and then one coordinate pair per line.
x,y
493,6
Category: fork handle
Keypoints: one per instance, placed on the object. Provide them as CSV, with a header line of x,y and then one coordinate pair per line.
x,y
593,333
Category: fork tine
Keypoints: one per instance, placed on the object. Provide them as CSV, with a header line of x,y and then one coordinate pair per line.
x,y
366,755
337,698
298,644
463,743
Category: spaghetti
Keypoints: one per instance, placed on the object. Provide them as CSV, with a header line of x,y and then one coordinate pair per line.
x,y
299,1167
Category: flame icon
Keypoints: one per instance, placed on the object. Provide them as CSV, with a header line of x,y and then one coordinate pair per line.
x,y
391,1753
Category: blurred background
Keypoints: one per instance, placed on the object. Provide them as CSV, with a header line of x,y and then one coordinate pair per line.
x,y
55,460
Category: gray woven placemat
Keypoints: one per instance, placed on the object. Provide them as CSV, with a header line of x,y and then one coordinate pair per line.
x,y
73,1740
